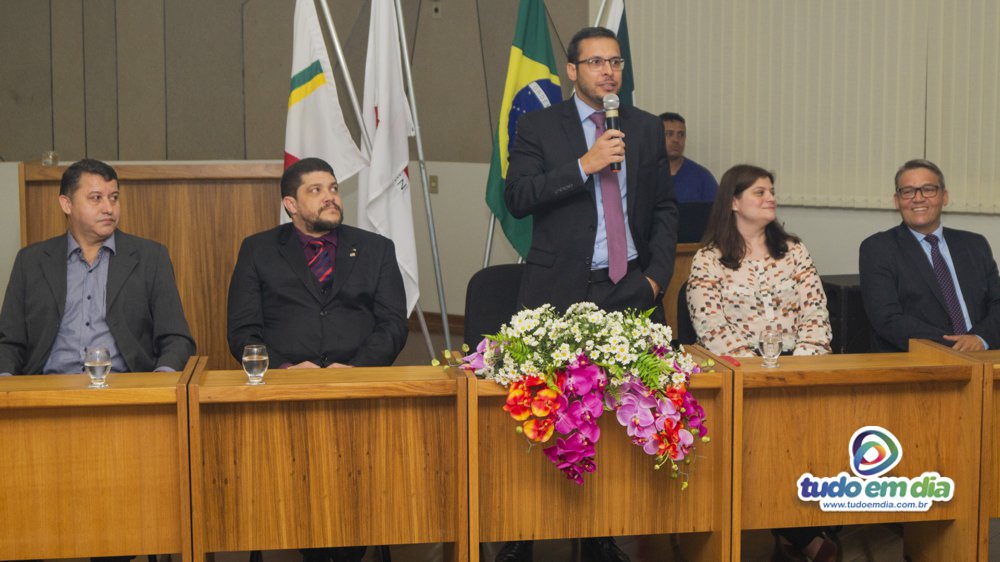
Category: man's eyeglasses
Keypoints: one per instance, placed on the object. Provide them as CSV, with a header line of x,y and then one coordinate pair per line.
x,y
597,63
928,191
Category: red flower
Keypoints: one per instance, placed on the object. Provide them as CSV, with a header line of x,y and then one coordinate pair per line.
x,y
518,401
676,395
545,403
539,430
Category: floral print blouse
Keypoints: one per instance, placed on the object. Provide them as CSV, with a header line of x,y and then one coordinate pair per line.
x,y
731,308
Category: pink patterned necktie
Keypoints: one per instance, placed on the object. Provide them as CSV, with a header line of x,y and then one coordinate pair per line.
x,y
614,217
943,276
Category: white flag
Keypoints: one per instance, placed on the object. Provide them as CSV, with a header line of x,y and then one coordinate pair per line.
x,y
384,187
315,125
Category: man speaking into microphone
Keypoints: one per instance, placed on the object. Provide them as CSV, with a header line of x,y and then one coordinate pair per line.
x,y
598,189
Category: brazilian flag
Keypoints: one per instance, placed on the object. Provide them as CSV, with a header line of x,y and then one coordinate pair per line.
x,y
532,83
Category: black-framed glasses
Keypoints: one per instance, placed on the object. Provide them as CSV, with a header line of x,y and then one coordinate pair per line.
x,y
928,191
597,63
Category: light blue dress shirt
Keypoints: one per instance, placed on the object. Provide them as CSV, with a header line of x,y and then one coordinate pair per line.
x,y
84,322
946,255
600,259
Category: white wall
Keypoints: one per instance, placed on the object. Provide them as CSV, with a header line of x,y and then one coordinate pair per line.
x,y
833,235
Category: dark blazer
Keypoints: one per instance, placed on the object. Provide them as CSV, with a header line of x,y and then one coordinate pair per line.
x,y
274,299
902,296
144,309
543,181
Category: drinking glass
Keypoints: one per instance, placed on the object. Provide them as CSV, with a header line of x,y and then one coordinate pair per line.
x,y
255,363
770,347
97,365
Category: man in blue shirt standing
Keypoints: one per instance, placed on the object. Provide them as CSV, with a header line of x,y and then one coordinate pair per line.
x,y
692,181
94,286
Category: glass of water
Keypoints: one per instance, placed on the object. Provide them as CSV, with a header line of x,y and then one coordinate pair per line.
x,y
97,365
255,363
770,347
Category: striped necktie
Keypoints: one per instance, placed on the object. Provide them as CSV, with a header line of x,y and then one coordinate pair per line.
x,y
321,264
943,275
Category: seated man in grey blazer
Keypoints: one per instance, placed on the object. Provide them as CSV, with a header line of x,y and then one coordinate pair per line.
x,y
94,286
922,280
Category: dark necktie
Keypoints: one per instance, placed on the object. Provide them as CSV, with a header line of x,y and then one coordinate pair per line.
x,y
321,264
614,217
943,276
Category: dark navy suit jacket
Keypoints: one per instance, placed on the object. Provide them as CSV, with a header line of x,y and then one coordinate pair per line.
x,y
543,181
903,299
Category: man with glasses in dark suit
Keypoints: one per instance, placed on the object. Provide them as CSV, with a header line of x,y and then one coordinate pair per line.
x,y
599,234
921,280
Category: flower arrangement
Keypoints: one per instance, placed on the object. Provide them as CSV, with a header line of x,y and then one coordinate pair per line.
x,y
563,371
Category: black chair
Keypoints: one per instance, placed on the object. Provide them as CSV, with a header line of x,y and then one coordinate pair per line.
x,y
852,332
490,300
685,333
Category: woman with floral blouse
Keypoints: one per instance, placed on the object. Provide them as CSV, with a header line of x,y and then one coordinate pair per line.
x,y
751,276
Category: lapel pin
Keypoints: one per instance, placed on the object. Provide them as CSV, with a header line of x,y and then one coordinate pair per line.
x,y
354,252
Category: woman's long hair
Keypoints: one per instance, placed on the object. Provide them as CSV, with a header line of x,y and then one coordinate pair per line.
x,y
722,232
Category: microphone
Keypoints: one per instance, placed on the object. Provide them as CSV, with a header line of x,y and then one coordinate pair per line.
x,y
612,121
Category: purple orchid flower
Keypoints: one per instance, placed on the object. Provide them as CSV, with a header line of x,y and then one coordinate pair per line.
x,y
475,360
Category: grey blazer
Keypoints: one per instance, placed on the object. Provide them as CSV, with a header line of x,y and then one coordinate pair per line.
x,y
144,308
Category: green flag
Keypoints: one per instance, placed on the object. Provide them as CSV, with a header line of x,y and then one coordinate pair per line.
x,y
532,83
618,24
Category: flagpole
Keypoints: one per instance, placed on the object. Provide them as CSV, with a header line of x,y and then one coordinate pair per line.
x,y
366,140
489,240
423,172
600,12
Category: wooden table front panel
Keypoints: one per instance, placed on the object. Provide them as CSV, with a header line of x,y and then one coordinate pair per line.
x,y
522,495
89,477
285,473
800,419
992,470
994,484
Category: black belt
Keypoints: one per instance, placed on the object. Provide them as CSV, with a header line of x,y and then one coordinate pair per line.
x,y
601,275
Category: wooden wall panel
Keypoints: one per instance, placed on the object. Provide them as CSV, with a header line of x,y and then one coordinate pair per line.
x,y
200,212
187,79
25,87
100,79
205,100
142,98
68,106
439,101
265,24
